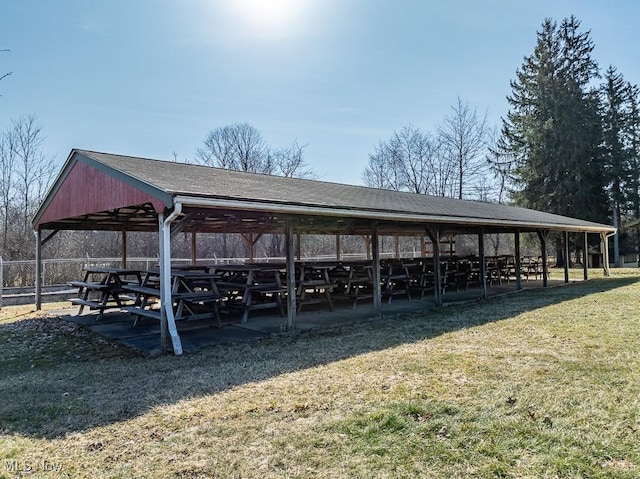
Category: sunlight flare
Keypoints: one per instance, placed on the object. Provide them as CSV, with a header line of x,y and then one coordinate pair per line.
x,y
268,18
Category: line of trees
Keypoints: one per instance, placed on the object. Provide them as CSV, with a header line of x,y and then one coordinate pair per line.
x,y
25,174
569,144
449,162
241,147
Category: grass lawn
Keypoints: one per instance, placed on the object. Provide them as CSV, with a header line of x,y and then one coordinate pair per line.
x,y
534,384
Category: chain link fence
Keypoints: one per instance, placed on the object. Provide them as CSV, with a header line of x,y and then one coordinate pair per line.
x,y
17,278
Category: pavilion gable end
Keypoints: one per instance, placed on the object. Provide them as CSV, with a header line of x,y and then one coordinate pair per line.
x,y
86,190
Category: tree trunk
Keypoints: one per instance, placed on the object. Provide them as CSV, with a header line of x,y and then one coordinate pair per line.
x,y
617,260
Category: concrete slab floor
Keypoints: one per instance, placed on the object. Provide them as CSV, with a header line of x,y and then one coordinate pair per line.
x,y
145,336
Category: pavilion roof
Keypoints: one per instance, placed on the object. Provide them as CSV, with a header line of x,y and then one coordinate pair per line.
x,y
127,193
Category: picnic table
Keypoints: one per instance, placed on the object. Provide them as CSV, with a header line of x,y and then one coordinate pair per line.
x,y
314,284
250,287
360,281
104,288
395,280
194,295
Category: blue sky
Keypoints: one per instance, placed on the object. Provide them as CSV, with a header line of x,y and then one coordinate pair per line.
x,y
150,77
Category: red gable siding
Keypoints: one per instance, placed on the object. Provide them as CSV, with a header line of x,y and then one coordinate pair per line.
x,y
86,190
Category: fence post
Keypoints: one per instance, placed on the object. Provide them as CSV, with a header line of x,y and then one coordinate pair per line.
x,y
1,280
38,280
44,272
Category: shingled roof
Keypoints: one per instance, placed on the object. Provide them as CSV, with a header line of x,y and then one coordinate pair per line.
x,y
114,181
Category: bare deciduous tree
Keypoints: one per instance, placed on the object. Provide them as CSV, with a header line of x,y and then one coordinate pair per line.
x,y
7,188
25,174
409,161
464,137
236,147
382,172
289,162
500,163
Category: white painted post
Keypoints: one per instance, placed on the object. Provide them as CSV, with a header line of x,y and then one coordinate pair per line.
x,y
168,328
164,343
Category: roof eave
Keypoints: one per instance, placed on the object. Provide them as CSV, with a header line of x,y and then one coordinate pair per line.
x,y
295,209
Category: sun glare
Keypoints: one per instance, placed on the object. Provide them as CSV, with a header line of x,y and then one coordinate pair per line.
x,y
268,18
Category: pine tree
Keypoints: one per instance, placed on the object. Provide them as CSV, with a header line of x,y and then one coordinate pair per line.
x,y
552,130
617,147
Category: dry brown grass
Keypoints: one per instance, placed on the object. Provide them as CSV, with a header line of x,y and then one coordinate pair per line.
x,y
536,384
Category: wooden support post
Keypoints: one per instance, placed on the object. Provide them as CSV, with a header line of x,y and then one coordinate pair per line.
x,y
423,247
194,249
124,249
518,264
566,256
298,247
604,246
585,257
38,279
367,244
252,248
338,248
251,239
164,335
375,247
434,235
483,264
396,244
543,236
291,278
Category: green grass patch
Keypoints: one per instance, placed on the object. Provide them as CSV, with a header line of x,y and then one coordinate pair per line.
x,y
536,384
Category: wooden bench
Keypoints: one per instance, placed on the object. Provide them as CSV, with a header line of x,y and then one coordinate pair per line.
x,y
185,307
93,305
145,290
138,312
89,285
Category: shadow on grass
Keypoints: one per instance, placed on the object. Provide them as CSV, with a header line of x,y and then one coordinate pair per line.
x,y
57,378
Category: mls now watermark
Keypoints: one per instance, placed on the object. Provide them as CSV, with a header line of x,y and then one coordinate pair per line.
x,y
28,467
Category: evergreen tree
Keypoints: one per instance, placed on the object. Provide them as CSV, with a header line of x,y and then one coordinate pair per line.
x,y
552,130
634,159
617,147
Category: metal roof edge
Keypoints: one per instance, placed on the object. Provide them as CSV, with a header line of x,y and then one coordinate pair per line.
x,y
283,208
